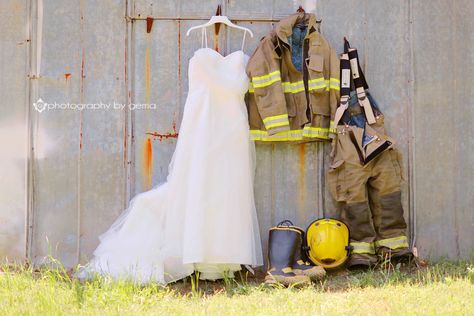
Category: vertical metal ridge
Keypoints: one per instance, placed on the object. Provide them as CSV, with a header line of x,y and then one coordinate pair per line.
x,y
454,39
79,155
411,137
131,98
29,163
128,79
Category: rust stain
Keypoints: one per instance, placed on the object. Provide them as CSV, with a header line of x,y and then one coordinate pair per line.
x,y
67,76
217,29
124,145
148,163
124,139
80,138
147,75
216,42
160,137
83,63
302,172
149,23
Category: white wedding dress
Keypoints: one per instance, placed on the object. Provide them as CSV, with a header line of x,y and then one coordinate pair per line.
x,y
203,217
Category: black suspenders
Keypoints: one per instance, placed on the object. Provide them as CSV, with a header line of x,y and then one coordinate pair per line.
x,y
351,71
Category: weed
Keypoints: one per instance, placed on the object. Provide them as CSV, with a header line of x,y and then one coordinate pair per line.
x,y
443,288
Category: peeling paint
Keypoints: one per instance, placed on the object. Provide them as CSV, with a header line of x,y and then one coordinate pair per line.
x,y
160,137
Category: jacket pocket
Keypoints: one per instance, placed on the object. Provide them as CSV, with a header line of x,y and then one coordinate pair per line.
x,y
316,81
336,180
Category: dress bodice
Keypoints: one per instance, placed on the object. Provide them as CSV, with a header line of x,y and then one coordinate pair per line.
x,y
213,72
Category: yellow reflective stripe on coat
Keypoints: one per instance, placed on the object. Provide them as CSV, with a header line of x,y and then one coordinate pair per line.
x,y
393,243
298,86
266,80
293,87
276,121
362,247
291,135
318,132
314,84
334,84
278,137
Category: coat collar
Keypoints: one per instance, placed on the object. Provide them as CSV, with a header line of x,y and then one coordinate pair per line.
x,y
284,28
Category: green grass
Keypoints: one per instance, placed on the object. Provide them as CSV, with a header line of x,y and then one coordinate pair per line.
x,y
441,289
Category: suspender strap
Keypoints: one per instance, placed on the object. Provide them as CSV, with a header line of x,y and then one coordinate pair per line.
x,y
359,82
357,73
345,89
345,76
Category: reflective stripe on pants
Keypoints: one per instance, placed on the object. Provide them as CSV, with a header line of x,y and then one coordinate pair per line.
x,y
362,247
393,243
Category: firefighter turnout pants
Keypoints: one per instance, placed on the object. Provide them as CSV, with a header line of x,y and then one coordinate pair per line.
x,y
369,196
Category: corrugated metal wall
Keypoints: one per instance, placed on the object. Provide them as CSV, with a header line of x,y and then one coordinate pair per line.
x,y
67,174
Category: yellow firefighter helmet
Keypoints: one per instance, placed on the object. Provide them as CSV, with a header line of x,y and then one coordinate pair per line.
x,y
327,242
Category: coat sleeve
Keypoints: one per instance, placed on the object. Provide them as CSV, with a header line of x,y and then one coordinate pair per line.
x,y
334,87
263,70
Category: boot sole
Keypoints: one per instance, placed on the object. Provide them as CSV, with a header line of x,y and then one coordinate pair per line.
x,y
314,274
275,279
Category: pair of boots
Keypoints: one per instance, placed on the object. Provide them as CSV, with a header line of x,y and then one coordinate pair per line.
x,y
287,261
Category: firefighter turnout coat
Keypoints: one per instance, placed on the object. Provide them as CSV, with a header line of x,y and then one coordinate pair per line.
x,y
294,83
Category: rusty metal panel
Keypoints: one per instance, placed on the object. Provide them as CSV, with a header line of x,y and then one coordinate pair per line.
x,y
13,129
56,134
155,78
103,140
79,154
88,164
442,41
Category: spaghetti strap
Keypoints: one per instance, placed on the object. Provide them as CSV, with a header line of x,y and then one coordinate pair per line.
x,y
243,40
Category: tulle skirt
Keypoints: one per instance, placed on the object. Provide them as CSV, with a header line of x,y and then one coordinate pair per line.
x,y
203,217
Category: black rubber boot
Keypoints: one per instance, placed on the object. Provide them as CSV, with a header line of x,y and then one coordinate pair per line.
x,y
301,265
282,246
